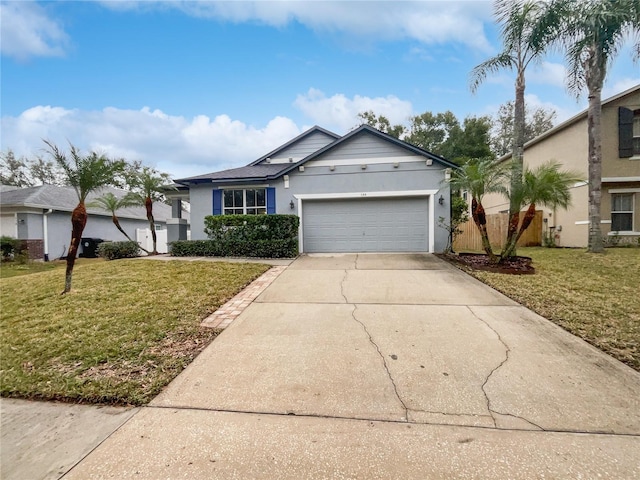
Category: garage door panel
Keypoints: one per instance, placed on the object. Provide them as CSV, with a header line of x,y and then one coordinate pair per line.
x,y
366,225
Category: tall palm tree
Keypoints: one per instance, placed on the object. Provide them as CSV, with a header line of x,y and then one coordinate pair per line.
x,y
479,177
592,34
147,187
110,203
525,39
85,174
545,185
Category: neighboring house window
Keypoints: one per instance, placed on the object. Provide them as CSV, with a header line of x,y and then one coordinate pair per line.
x,y
622,212
628,132
245,202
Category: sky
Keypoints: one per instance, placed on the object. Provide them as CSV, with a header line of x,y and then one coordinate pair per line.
x,y
195,87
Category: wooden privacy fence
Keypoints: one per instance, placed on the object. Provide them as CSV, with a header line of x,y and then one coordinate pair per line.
x,y
497,224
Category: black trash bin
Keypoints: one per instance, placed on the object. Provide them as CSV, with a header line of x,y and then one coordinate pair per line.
x,y
90,247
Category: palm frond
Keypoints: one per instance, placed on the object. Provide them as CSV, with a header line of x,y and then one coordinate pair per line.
x,y
493,65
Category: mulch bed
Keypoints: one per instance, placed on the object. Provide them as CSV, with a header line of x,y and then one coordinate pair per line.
x,y
480,261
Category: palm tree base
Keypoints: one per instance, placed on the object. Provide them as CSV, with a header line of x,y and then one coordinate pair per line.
x,y
480,261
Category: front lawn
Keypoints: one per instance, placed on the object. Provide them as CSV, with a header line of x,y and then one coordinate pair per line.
x,y
127,328
594,296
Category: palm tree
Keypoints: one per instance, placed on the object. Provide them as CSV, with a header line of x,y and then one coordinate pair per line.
x,y
525,39
479,177
110,203
592,34
85,174
147,187
545,185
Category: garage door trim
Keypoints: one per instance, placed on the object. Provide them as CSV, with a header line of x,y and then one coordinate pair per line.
x,y
351,195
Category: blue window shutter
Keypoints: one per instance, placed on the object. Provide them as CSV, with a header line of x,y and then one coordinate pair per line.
x,y
271,200
217,202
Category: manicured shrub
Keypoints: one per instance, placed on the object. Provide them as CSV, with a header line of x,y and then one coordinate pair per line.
x,y
262,236
9,247
116,250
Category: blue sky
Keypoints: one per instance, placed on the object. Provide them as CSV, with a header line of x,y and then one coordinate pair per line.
x,y
194,87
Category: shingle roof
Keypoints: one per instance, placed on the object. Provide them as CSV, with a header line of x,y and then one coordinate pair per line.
x,y
65,199
250,172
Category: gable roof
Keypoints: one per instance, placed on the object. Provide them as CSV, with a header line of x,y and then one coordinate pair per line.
x,y
302,136
257,171
65,199
368,129
576,118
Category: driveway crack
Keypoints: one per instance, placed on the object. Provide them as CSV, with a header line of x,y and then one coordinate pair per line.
x,y
384,363
491,410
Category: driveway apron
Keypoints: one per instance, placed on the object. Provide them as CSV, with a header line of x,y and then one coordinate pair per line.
x,y
385,366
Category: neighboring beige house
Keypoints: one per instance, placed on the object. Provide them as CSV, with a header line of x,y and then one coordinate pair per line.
x,y
567,143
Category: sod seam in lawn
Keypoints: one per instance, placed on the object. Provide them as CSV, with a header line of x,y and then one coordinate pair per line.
x,y
594,296
126,329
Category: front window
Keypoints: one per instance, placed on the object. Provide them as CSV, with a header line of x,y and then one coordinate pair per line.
x,y
622,212
245,201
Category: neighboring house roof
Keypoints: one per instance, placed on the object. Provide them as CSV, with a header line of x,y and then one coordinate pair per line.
x,y
65,199
576,118
257,171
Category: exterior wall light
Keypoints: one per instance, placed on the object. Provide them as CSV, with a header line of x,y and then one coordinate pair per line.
x,y
291,205
441,200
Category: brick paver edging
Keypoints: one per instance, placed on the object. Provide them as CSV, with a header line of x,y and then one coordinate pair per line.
x,y
228,312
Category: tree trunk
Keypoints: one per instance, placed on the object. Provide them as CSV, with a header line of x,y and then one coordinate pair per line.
x,y
480,219
78,222
116,222
148,203
594,71
510,250
517,165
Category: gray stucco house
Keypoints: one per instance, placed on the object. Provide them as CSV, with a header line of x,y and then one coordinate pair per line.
x,y
363,192
44,213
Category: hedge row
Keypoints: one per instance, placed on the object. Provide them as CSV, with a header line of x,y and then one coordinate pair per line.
x,y
116,250
214,248
247,228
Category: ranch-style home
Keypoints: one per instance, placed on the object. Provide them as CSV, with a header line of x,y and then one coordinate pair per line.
x,y
567,143
41,215
362,192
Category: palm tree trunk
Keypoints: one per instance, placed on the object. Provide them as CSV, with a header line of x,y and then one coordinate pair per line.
x,y
480,219
148,203
517,165
78,222
595,169
116,222
529,215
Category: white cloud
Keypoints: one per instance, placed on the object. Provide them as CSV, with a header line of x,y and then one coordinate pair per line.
x,y
341,113
548,73
430,22
532,101
177,145
27,32
619,86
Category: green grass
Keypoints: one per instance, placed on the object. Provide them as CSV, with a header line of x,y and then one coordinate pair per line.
x,y
126,329
593,296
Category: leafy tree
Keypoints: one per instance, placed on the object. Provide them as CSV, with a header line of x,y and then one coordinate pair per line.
x,y
459,215
469,140
524,37
85,174
592,32
147,186
110,203
537,121
429,131
382,123
13,171
479,176
545,185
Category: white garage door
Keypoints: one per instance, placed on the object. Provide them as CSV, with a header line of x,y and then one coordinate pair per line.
x,y
366,225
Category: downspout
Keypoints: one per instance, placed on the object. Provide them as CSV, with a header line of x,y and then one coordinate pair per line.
x,y
45,233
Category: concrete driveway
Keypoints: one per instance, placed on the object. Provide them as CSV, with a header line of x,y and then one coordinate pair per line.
x,y
385,366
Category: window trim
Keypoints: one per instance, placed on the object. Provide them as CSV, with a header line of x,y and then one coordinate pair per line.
x,y
625,212
244,201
